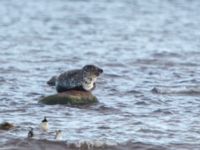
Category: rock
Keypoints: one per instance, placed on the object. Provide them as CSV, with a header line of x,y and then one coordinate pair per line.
x,y
71,97
155,90
6,126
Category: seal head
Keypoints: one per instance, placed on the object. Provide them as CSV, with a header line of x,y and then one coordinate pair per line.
x,y
90,74
52,81
78,79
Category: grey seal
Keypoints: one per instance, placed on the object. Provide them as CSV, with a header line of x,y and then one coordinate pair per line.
x,y
77,79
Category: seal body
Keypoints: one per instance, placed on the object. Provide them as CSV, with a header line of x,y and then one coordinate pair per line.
x,y
78,79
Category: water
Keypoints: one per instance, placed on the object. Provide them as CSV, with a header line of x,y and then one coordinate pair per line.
x,y
149,50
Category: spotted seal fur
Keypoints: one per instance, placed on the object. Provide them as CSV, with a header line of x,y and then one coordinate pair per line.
x,y
78,79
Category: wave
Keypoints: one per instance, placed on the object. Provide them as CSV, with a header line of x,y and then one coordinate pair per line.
x,y
186,90
79,145
33,144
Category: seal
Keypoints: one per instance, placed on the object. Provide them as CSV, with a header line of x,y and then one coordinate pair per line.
x,y
78,79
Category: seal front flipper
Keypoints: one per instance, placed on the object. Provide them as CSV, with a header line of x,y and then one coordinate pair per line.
x,y
60,89
94,86
63,89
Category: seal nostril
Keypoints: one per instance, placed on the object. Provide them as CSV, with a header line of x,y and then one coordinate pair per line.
x,y
100,71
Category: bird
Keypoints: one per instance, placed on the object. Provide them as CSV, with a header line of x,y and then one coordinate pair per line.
x,y
44,124
30,133
58,135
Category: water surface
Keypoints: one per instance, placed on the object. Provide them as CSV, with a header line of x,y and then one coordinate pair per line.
x,y
149,50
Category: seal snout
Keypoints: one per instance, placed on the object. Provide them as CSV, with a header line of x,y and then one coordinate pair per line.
x,y
100,70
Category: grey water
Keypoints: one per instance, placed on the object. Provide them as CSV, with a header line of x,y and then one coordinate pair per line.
x,y
149,50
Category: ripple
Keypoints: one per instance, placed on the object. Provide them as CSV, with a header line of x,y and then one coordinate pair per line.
x,y
162,112
151,78
98,144
188,91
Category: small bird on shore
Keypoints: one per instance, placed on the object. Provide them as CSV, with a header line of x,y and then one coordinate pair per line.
x,y
30,133
44,124
58,135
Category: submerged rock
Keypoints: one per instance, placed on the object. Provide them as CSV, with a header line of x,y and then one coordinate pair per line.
x,y
71,97
6,126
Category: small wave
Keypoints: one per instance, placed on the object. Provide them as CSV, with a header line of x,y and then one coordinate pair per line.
x,y
162,111
103,127
133,92
106,109
190,91
141,103
165,54
77,145
112,75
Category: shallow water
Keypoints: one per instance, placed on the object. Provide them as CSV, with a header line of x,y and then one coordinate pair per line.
x,y
149,50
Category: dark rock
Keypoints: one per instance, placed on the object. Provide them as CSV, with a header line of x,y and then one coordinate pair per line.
x,y
155,90
71,97
6,126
